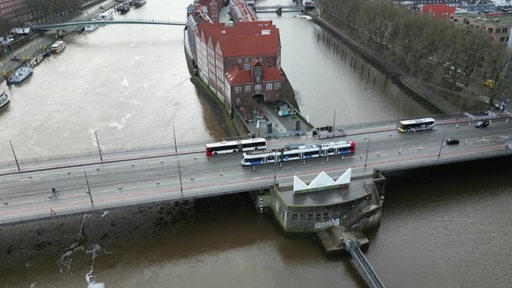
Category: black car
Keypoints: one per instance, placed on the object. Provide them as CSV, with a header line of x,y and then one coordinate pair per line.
x,y
452,141
482,124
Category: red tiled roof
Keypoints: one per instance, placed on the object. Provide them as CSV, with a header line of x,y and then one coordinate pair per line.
x,y
244,38
236,76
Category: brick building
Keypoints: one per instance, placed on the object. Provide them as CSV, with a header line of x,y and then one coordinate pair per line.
x,y
240,60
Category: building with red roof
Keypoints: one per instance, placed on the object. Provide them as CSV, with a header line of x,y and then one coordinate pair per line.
x,y
240,61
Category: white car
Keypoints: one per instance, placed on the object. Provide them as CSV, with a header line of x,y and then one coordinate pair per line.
x,y
6,40
508,144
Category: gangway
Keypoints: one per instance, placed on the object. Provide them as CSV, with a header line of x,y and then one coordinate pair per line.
x,y
362,264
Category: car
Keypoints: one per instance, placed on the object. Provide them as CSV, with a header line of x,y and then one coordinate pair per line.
x,y
452,141
482,124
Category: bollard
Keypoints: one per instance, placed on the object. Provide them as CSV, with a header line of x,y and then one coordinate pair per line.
x,y
400,151
221,172
5,201
119,187
158,181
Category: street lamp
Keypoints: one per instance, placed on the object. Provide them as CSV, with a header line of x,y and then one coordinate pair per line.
x,y
88,189
98,144
441,147
275,168
15,158
176,152
367,150
399,112
458,112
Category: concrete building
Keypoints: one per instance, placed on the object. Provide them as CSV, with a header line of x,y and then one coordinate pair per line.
x,y
324,202
496,24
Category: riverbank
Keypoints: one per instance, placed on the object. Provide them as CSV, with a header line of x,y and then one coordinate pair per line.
x,y
436,99
38,44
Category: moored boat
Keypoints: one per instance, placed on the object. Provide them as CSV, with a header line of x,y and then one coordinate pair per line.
x,y
4,99
124,7
21,74
91,27
58,46
138,3
106,16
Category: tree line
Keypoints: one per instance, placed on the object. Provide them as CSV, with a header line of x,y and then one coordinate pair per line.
x,y
435,51
41,12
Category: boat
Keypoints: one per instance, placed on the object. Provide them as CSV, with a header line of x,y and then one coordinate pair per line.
x,y
4,99
58,46
106,16
21,74
124,7
91,27
138,3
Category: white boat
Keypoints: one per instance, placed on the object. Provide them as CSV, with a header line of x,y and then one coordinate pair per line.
x,y
106,16
91,27
21,74
58,46
4,99
138,3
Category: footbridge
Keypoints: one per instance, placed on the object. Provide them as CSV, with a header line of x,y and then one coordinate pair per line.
x,y
278,9
80,24
362,264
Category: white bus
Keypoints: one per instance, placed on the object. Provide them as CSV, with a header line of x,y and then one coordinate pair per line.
x,y
226,147
414,125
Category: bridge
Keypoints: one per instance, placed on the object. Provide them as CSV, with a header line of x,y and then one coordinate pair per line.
x,y
362,264
80,24
278,9
108,179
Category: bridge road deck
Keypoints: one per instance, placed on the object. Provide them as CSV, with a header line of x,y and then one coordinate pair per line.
x,y
135,179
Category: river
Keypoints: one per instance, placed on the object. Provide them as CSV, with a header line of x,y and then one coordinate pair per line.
x,y
130,85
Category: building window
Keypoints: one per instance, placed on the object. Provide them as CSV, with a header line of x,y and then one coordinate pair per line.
x,y
246,60
502,39
257,87
504,30
498,30
260,59
247,67
258,79
269,86
277,85
238,89
239,60
247,88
